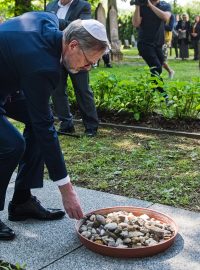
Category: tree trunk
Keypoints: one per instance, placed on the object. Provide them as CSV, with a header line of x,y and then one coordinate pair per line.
x,y
112,3
22,6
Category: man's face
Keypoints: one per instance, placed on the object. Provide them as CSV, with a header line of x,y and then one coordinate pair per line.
x,y
184,17
65,2
75,59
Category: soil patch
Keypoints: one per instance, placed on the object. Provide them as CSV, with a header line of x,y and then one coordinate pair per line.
x,y
151,121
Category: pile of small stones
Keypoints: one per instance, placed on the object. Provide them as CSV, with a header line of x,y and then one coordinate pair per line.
x,y
125,230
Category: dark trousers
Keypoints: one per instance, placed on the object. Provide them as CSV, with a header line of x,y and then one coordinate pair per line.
x,y
176,50
106,59
195,44
175,46
153,56
84,97
17,149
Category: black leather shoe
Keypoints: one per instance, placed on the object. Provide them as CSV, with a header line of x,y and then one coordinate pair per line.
x,y
5,232
91,132
108,65
32,209
68,130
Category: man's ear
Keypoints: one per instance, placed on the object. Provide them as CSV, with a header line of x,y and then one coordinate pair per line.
x,y
73,44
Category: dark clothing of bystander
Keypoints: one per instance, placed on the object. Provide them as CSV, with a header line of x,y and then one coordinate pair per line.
x,y
183,28
195,39
151,38
78,9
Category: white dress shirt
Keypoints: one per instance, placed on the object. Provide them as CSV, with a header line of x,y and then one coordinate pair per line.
x,y
62,11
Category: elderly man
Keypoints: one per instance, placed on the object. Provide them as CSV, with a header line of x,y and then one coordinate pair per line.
x,y
68,11
31,50
150,20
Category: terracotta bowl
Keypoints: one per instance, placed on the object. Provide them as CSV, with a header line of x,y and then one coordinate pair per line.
x,y
130,252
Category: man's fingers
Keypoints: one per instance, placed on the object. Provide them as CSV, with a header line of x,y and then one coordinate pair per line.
x,y
80,213
75,213
70,213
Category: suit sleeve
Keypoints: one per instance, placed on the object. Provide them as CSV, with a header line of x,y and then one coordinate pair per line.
x,y
37,89
84,14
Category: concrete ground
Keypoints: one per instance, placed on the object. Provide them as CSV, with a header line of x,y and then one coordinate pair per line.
x,y
54,245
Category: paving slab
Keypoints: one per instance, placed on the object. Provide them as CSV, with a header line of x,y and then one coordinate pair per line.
x,y
184,254
40,243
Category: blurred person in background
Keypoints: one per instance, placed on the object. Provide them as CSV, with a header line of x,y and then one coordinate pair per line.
x,y
168,43
175,36
183,28
68,11
195,36
106,60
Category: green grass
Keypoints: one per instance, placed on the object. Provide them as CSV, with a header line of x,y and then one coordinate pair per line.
x,y
131,67
160,169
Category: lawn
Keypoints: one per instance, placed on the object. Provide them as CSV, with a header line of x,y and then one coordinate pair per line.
x,y
158,168
161,169
132,66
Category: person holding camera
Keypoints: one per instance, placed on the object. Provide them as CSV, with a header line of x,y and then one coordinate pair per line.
x,y
150,17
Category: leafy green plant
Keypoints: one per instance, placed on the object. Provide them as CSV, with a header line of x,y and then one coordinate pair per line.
x,y
70,92
7,266
104,88
135,96
186,99
140,94
140,97
136,93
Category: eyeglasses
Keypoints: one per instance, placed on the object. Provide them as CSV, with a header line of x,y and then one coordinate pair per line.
x,y
89,63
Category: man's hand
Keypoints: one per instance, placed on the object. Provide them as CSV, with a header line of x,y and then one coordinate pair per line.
x,y
150,4
163,15
136,20
194,34
71,201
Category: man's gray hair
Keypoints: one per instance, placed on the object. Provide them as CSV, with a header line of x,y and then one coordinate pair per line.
x,y
76,31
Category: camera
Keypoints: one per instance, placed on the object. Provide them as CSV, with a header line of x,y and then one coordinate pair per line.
x,y
139,2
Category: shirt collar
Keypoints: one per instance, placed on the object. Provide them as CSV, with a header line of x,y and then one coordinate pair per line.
x,y
60,5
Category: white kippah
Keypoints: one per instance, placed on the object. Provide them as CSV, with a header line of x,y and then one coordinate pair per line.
x,y
96,29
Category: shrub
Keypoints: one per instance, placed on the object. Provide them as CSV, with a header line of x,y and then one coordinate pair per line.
x,y
141,98
186,99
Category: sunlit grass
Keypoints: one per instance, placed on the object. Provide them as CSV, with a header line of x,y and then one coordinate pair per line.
x,y
132,66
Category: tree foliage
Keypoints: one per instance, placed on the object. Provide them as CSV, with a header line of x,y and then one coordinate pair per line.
x,y
12,8
125,27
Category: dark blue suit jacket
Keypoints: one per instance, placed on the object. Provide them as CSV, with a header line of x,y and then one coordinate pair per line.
x,y
79,9
30,51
